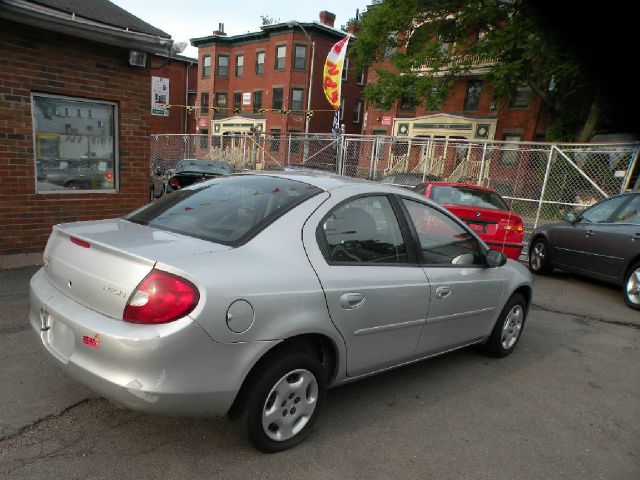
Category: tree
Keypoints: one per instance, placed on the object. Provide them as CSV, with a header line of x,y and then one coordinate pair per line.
x,y
421,46
267,20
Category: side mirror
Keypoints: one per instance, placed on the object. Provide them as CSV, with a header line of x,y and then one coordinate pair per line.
x,y
570,217
495,258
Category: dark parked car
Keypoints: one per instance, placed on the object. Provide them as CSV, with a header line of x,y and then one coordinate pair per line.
x,y
602,242
190,171
77,174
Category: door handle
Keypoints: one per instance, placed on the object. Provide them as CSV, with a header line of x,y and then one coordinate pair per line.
x,y
635,237
589,233
443,292
350,301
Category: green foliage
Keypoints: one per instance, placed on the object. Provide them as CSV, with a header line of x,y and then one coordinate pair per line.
x,y
445,38
267,20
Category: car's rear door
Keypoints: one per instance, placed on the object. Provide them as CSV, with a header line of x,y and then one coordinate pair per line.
x,y
377,295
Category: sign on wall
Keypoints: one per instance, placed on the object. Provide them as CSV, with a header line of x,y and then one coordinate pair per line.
x,y
159,96
246,98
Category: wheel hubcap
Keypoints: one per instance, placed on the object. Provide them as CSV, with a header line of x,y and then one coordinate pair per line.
x,y
290,405
537,256
512,327
633,287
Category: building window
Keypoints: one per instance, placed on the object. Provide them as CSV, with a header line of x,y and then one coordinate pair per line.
x,y
472,100
281,53
206,65
274,145
239,65
300,62
80,154
382,104
223,65
356,111
407,102
510,151
221,101
294,141
257,101
297,95
259,63
204,137
237,101
277,98
204,103
522,97
360,79
345,68
341,117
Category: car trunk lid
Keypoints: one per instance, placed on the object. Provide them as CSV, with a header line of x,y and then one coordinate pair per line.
x,y
99,264
486,222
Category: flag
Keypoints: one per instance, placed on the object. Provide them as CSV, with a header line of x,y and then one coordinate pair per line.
x,y
335,127
332,77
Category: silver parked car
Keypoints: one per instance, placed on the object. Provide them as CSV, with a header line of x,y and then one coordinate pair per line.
x,y
250,295
602,242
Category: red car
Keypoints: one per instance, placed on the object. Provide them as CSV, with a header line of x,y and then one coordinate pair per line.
x,y
483,209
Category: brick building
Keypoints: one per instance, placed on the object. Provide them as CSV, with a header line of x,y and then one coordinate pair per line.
x,y
242,74
74,117
180,75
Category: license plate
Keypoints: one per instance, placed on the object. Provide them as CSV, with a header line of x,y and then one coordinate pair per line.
x,y
478,227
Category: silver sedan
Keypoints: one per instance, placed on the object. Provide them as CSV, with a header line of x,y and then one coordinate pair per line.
x,y
251,295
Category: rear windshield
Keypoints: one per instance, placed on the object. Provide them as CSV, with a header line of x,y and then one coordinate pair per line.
x,y
227,210
467,196
202,166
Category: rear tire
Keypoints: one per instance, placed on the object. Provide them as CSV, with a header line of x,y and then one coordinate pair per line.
x,y
508,329
631,287
283,400
539,257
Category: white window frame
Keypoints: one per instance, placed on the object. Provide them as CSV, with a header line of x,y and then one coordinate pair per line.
x,y
357,111
116,145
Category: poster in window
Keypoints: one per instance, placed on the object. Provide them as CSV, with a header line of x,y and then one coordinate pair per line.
x,y
159,96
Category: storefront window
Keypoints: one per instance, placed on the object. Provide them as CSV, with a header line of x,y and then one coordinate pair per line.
x,y
74,152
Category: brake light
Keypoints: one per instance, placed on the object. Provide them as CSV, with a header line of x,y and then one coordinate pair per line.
x,y
108,176
512,225
174,183
161,298
81,243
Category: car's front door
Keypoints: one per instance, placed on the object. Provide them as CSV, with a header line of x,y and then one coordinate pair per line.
x,y
466,295
376,293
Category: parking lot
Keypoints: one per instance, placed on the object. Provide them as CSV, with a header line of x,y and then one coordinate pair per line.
x,y
565,405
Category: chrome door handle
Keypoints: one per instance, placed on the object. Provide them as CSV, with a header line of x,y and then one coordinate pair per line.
x,y
635,237
351,300
589,233
443,292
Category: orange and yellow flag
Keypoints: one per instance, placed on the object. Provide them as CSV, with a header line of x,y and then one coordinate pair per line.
x,y
332,77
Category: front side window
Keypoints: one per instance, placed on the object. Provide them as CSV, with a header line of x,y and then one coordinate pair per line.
x,y
281,53
442,240
601,213
300,61
630,213
259,63
239,65
297,99
77,151
277,98
227,210
472,100
364,230
223,65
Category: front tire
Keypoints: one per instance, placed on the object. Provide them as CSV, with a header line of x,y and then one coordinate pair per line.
x,y
539,257
284,401
631,287
508,329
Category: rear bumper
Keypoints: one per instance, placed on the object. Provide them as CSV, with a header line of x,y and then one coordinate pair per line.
x,y
170,369
511,250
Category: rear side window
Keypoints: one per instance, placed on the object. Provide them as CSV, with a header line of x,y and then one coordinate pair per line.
x,y
228,210
467,196
364,230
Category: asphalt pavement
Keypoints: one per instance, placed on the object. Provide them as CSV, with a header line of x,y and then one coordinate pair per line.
x,y
565,405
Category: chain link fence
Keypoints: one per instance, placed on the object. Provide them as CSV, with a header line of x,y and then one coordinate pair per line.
x,y
539,181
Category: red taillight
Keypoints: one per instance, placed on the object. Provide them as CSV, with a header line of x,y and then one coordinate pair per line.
x,y
513,224
79,242
108,176
174,183
161,298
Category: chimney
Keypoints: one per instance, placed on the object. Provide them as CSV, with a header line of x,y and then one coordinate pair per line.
x,y
220,31
353,26
327,18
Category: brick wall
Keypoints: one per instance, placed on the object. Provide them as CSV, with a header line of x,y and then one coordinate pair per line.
x,y
33,60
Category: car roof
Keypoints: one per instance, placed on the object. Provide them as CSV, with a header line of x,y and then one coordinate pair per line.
x,y
466,185
327,181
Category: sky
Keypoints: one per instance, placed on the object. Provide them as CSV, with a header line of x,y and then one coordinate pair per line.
x,y
185,19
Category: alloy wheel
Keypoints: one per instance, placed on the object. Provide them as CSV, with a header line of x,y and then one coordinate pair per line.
x,y
538,255
512,327
632,287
